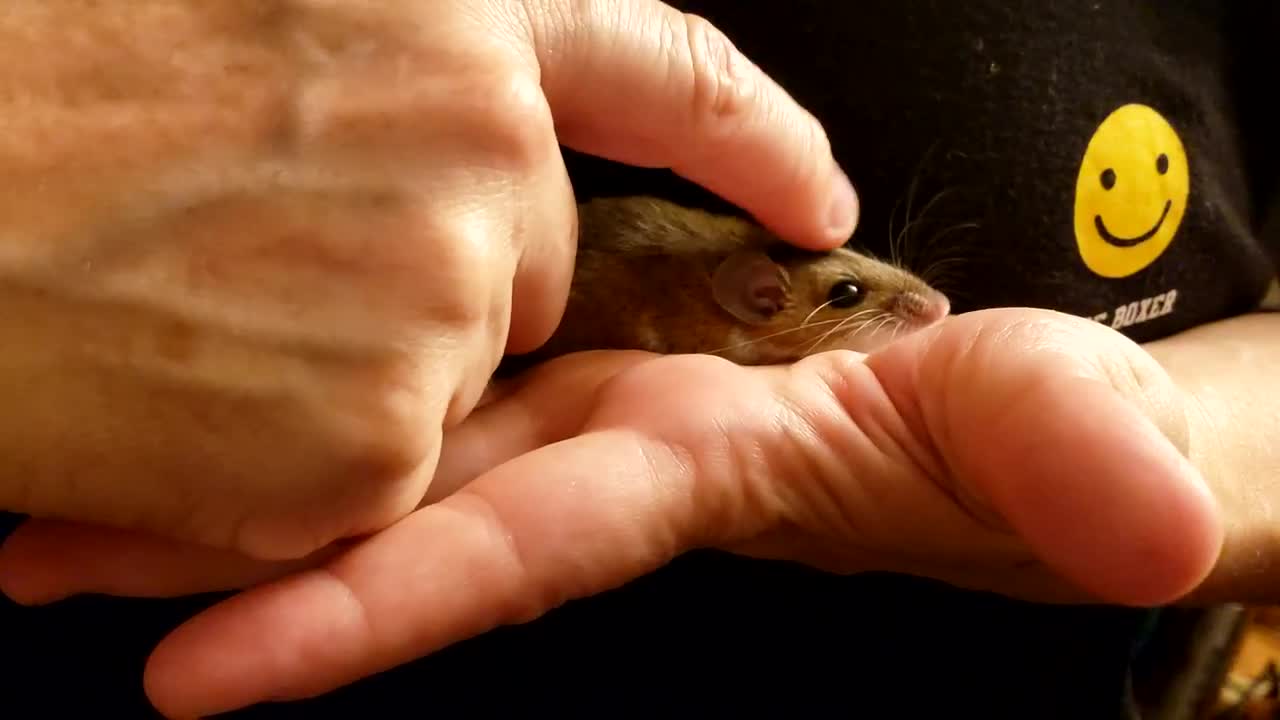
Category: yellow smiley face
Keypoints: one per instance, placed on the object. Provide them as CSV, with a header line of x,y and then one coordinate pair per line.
x,y
1131,192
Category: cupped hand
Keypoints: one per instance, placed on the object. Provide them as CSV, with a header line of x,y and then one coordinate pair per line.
x,y
1018,451
257,256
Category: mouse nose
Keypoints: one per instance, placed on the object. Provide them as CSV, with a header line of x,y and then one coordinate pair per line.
x,y
925,308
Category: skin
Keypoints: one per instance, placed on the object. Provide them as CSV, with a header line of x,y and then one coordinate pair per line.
x,y
1011,450
650,275
1123,473
256,257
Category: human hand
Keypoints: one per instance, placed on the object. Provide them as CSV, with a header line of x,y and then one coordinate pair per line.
x,y
258,255
1018,451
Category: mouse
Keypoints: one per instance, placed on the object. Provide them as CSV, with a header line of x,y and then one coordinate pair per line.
x,y
654,275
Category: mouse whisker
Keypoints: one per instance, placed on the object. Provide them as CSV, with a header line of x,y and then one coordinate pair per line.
x,y
938,270
839,326
879,323
945,269
771,336
893,322
958,226
816,342
856,317
895,241
905,237
805,323
807,318
936,240
867,327
893,217
896,327
841,322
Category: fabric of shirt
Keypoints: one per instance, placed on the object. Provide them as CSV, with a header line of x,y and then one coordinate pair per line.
x,y
1113,159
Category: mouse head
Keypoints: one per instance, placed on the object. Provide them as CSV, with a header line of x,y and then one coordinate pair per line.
x,y
790,303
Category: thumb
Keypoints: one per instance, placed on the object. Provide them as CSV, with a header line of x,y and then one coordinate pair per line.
x,y
644,84
1070,435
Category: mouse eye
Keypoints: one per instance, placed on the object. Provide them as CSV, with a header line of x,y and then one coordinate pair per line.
x,y
844,294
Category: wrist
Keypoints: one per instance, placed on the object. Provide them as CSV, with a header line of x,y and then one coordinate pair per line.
x,y
1222,446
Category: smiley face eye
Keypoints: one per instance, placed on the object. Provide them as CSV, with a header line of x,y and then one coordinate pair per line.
x,y
1162,164
844,294
1108,179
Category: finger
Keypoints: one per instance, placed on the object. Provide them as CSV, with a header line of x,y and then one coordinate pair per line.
x,y
545,230
44,561
645,84
544,405
1029,422
1021,577
1116,507
561,522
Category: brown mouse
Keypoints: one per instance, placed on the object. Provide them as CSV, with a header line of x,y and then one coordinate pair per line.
x,y
653,275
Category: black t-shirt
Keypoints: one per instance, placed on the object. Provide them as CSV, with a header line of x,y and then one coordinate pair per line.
x,y
1115,159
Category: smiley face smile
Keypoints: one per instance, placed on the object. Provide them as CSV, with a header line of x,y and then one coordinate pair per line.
x,y
1120,242
1133,171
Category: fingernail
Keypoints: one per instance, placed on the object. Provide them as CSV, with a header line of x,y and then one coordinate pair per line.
x,y
843,216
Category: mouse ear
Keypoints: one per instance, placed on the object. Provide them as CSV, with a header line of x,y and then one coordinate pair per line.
x,y
751,286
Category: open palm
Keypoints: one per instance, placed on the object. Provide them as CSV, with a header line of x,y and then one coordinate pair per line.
x,y
1013,450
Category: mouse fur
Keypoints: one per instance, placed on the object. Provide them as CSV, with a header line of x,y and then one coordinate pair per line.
x,y
653,275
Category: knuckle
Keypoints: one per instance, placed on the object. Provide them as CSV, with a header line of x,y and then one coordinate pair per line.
x,y
724,84
465,266
732,101
391,425
483,108
518,598
833,387
509,120
835,366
